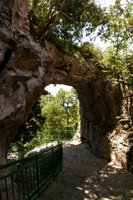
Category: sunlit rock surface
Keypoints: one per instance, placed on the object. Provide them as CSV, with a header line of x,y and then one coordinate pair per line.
x,y
26,68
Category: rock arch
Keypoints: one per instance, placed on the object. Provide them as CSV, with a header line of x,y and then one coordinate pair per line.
x,y
26,68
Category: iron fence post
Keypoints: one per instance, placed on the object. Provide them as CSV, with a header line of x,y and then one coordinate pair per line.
x,y
37,174
53,164
61,156
29,176
0,195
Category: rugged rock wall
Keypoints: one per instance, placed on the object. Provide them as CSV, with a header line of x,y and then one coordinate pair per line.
x,y
118,144
99,104
26,68
20,70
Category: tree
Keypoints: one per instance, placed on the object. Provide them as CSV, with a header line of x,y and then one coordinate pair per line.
x,y
28,62
53,112
61,112
69,101
29,130
118,58
63,21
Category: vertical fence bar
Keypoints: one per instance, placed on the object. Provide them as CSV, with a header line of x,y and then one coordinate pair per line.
x,y
6,188
26,182
53,163
37,174
31,182
18,189
34,175
0,194
12,185
23,185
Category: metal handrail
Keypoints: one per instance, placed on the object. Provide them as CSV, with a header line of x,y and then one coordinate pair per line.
x,y
24,179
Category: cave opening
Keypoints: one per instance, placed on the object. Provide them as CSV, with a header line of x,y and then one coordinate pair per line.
x,y
68,100
55,116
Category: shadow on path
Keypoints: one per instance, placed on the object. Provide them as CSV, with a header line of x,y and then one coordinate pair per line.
x,y
87,177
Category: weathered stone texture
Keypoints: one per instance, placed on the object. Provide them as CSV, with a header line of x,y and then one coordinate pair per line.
x,y
99,108
117,145
26,68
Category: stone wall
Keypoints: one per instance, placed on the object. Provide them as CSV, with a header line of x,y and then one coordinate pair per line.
x,y
99,105
117,146
26,68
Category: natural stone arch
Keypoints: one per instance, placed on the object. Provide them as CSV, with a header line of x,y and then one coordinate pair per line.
x,y
100,104
26,68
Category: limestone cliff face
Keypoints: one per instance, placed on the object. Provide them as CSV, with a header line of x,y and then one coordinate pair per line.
x,y
99,104
20,69
26,68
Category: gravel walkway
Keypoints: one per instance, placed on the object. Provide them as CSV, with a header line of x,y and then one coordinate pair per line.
x,y
86,177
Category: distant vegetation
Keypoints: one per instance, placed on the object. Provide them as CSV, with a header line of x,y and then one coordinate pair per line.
x,y
51,118
65,22
53,21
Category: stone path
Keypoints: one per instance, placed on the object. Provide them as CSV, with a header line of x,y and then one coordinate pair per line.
x,y
86,177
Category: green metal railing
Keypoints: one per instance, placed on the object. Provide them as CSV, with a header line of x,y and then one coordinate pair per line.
x,y
26,178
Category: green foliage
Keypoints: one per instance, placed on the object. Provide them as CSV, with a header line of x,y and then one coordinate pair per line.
x,y
28,130
61,113
52,110
69,102
48,120
118,66
118,58
63,21
90,52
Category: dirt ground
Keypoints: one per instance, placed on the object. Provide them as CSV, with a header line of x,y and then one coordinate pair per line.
x,y
87,177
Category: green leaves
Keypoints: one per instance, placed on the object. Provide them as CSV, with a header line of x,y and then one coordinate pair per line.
x,y
54,114
90,52
29,130
63,21
61,112
117,57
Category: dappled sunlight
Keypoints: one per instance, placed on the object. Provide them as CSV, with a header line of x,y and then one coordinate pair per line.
x,y
85,176
72,142
111,182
